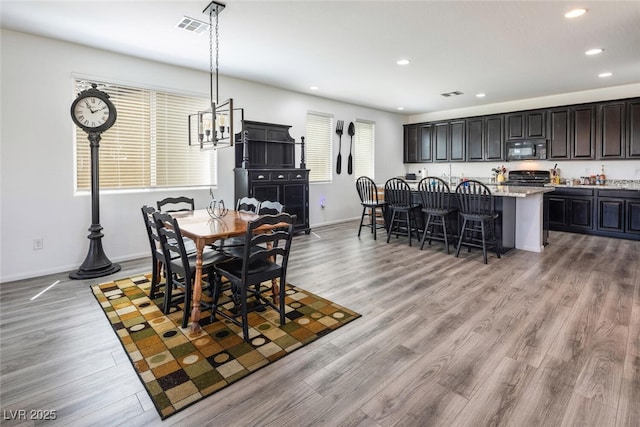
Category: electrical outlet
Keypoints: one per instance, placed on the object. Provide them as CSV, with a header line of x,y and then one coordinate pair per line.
x,y
38,244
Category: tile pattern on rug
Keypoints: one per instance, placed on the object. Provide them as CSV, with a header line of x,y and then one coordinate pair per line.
x,y
178,368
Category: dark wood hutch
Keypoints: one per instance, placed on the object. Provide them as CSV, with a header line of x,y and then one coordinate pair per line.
x,y
265,169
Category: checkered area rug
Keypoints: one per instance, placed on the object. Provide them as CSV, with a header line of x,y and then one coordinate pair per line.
x,y
178,368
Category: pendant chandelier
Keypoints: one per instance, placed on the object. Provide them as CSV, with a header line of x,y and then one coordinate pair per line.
x,y
214,127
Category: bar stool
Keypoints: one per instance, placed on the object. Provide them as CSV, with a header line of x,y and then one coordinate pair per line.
x,y
368,193
477,210
435,196
397,194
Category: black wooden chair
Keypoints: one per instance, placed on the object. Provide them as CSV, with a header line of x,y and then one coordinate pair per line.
x,y
157,256
268,207
181,266
264,258
176,204
436,205
476,205
368,193
397,195
247,204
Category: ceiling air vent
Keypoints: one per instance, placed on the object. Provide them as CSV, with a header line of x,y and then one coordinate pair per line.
x,y
193,25
454,93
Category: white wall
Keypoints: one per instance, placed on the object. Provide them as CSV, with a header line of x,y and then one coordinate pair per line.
x,y
614,169
37,152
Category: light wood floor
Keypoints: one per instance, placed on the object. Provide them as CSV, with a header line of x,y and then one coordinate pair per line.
x,y
549,339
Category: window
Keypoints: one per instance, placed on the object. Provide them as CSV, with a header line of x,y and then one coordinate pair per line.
x,y
363,149
318,142
147,147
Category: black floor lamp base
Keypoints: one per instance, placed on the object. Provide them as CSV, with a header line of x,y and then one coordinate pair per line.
x,y
99,272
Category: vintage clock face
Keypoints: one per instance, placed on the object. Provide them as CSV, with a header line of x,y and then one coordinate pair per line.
x,y
92,111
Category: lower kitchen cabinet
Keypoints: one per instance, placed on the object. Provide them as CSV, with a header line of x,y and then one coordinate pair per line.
x,y
571,209
605,212
287,186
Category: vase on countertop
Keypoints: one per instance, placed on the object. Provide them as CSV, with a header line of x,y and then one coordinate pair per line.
x,y
500,177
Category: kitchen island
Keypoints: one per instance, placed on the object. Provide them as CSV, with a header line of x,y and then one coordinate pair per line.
x,y
523,214
522,221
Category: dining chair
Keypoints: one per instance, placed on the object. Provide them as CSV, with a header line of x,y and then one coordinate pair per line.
x,y
181,266
176,204
247,204
265,258
268,207
157,256
179,204
368,193
477,208
397,195
436,205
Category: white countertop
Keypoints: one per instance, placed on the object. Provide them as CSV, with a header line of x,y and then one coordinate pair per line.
x,y
515,191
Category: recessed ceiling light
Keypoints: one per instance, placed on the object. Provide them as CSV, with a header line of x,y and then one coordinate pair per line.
x,y
403,62
481,95
400,108
575,13
594,51
603,75
313,87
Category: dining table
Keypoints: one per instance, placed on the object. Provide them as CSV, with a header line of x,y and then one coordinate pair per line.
x,y
204,229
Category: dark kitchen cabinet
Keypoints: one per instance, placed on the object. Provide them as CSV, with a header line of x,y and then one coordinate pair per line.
x,y
571,209
485,138
449,141
611,127
619,211
527,124
265,169
559,133
411,147
475,139
633,129
494,138
441,142
583,132
417,143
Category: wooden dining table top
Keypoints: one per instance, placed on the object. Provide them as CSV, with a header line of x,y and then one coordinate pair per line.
x,y
199,224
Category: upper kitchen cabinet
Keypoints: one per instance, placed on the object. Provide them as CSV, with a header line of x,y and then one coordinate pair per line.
x,y
417,143
583,132
526,124
449,141
559,131
611,130
485,138
494,138
633,129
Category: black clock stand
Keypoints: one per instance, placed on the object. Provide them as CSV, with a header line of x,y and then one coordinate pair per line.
x,y
96,264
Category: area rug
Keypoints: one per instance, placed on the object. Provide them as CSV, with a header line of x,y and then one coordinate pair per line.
x,y
178,369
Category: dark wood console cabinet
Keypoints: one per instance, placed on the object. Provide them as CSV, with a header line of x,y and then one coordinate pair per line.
x,y
265,169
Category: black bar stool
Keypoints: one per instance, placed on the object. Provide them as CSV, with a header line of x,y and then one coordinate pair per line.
x,y
435,196
477,210
397,194
368,193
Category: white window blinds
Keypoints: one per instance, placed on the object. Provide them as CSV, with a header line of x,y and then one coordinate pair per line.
x,y
363,149
318,142
148,145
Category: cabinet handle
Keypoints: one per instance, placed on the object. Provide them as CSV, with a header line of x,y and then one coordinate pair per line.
x,y
280,176
298,176
260,176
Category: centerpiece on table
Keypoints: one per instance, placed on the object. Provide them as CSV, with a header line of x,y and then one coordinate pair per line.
x,y
498,174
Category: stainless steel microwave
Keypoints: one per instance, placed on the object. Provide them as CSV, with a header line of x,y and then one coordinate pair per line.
x,y
527,149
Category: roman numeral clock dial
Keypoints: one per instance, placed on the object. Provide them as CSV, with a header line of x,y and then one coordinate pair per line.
x,y
92,111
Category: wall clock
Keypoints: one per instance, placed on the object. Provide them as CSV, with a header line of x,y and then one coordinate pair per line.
x,y
92,111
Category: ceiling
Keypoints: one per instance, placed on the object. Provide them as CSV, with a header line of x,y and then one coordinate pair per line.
x,y
510,50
